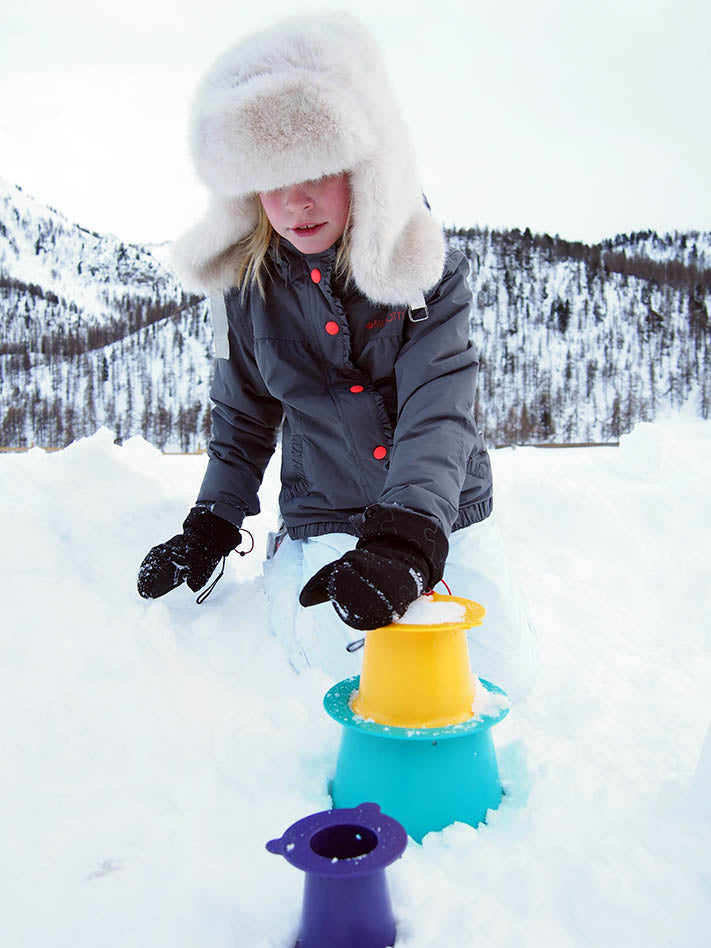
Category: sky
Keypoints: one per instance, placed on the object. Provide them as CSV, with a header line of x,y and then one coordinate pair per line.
x,y
582,119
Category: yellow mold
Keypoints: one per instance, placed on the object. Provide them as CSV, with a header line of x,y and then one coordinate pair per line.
x,y
419,675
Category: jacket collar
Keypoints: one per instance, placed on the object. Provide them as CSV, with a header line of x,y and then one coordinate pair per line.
x,y
293,265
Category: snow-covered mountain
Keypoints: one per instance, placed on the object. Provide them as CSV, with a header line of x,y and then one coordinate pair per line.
x,y
577,343
94,331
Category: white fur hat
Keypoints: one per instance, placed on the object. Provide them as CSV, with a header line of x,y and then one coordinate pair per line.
x,y
302,99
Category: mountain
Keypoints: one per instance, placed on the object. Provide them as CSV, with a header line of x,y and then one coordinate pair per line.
x,y
95,331
577,343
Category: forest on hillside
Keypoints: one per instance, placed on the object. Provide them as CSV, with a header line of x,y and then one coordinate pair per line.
x,y
576,342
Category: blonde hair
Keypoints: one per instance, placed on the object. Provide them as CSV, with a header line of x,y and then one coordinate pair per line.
x,y
254,247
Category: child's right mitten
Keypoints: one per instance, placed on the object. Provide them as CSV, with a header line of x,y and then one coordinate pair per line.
x,y
400,554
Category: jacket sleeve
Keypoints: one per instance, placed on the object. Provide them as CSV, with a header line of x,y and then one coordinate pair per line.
x,y
245,421
436,372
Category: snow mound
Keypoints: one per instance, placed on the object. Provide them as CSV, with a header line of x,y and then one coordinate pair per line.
x,y
150,749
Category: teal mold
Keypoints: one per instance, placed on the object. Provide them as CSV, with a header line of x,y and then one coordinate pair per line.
x,y
425,778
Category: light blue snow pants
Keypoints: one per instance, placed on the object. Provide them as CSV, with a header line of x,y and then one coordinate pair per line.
x,y
503,650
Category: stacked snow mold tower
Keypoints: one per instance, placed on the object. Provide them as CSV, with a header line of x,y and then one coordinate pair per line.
x,y
344,853
417,723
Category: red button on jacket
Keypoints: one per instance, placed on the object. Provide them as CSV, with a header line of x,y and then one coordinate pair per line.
x,y
332,328
356,389
380,452
316,275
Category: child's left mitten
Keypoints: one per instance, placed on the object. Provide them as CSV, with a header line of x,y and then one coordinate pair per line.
x,y
190,556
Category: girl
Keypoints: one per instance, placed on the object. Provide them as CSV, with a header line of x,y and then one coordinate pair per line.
x,y
341,321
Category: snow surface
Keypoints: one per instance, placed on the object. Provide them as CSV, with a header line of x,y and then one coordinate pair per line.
x,y
426,611
150,749
488,703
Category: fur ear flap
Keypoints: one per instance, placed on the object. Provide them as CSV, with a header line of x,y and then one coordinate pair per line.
x,y
397,247
206,258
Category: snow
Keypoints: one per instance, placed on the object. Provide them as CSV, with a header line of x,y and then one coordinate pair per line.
x,y
488,703
151,749
426,611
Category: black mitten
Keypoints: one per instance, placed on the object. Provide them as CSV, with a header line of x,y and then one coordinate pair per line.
x,y
190,556
400,555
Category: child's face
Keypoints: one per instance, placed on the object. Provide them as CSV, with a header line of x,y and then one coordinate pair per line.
x,y
311,215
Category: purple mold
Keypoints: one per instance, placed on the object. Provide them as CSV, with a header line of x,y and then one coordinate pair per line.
x,y
344,853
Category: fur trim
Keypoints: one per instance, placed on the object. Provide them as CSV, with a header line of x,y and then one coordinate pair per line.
x,y
303,99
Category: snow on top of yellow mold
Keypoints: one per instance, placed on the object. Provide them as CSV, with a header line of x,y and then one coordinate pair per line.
x,y
428,611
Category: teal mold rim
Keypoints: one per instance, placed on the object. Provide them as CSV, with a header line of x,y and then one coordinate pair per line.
x,y
337,705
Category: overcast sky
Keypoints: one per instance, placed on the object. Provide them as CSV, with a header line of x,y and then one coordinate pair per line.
x,y
580,118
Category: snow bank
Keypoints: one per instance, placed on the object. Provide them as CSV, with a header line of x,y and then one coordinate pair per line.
x,y
151,749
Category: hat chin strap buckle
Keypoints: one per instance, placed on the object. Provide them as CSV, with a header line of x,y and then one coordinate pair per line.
x,y
418,315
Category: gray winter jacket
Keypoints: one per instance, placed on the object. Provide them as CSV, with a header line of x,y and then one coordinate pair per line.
x,y
374,407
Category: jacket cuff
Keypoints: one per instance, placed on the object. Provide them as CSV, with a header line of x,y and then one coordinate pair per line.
x,y
410,532
229,512
219,534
